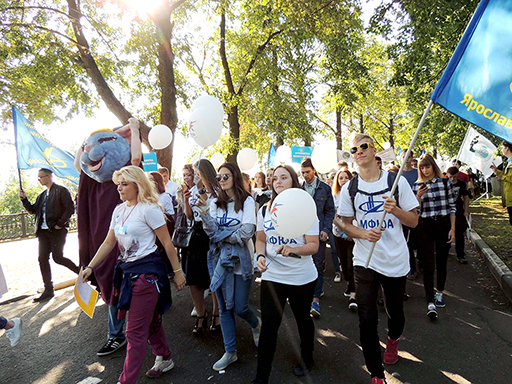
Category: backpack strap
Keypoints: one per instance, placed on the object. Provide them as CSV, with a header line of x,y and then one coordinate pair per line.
x,y
353,189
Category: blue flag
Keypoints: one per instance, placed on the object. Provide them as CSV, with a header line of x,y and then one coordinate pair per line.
x,y
272,155
477,83
35,151
399,150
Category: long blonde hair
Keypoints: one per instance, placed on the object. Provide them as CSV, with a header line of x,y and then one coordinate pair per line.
x,y
146,190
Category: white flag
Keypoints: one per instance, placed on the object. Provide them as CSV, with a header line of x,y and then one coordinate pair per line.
x,y
387,155
477,151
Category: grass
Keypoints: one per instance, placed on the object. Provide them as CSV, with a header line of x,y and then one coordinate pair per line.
x,y
490,221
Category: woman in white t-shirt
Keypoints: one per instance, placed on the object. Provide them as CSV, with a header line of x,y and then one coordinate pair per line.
x,y
288,272
140,275
164,198
230,222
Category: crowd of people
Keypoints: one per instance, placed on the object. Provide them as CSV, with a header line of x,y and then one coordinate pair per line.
x,y
223,220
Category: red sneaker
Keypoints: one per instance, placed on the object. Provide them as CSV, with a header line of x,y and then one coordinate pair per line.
x,y
391,353
376,380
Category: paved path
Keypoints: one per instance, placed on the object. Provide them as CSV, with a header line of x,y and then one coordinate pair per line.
x,y
471,342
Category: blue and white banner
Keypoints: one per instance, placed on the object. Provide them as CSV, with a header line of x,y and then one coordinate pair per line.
x,y
301,153
477,151
35,151
477,83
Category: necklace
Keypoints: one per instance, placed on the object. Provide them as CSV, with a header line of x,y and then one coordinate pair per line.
x,y
124,220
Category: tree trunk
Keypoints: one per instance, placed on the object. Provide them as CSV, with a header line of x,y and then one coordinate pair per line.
x,y
361,123
234,132
168,111
391,130
339,143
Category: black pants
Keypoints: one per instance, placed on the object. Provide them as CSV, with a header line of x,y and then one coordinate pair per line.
x,y
509,209
433,251
52,242
368,282
345,255
273,299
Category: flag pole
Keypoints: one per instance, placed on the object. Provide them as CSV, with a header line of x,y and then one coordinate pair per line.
x,y
16,144
400,171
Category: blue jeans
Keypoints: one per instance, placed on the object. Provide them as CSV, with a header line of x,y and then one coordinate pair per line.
x,y
115,326
3,322
241,308
319,259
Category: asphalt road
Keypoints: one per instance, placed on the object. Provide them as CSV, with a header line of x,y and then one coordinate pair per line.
x,y
470,343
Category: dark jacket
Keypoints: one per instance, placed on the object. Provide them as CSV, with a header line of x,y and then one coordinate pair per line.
x,y
325,208
59,208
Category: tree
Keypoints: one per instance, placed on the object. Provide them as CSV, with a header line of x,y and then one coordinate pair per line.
x,y
50,65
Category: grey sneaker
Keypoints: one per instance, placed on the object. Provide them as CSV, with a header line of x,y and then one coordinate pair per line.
x,y
14,334
225,360
256,332
439,300
160,367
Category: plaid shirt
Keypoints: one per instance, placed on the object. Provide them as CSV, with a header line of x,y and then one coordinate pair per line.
x,y
439,200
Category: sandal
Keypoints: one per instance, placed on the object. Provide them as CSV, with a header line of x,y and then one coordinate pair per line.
x,y
198,330
214,328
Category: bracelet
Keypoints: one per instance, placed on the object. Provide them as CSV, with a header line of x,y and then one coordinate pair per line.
x,y
177,270
260,255
89,267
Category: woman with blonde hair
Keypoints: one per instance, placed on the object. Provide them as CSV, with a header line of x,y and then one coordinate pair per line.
x,y
436,228
140,275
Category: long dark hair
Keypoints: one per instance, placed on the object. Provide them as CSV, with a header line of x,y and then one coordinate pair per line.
x,y
159,181
293,175
336,187
238,185
207,174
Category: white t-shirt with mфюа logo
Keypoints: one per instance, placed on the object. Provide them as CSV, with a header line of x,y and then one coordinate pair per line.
x,y
283,269
390,256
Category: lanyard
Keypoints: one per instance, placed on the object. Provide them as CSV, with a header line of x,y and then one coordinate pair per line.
x,y
124,220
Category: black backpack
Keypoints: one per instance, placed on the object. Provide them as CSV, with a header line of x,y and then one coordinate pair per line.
x,y
353,189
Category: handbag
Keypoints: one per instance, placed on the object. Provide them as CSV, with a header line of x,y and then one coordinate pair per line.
x,y
182,232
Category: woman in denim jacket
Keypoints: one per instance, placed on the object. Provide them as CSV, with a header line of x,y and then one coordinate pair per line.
x,y
230,221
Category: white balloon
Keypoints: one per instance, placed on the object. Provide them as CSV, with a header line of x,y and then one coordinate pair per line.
x,y
217,159
205,126
208,101
246,158
160,136
283,155
324,158
293,213
386,145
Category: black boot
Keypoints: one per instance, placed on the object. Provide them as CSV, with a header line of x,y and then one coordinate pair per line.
x,y
45,296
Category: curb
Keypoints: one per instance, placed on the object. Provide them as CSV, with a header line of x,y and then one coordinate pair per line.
x,y
498,268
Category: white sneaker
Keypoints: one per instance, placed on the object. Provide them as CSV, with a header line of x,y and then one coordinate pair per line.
x,y
337,277
194,312
14,334
256,332
160,367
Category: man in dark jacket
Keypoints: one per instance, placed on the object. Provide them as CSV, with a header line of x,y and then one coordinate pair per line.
x,y
325,211
53,209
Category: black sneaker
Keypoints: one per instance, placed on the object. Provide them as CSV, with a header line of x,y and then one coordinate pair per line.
x,y
111,346
302,369
462,260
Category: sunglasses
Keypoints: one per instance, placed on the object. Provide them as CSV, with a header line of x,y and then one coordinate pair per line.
x,y
363,146
222,177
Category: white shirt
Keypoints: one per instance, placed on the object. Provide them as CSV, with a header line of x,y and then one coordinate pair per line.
x,y
336,231
134,228
171,187
166,201
194,191
390,256
282,269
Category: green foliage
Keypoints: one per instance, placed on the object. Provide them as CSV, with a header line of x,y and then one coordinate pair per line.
x,y
9,199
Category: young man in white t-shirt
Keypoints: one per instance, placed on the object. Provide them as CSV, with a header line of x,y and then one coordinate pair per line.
x,y
389,264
